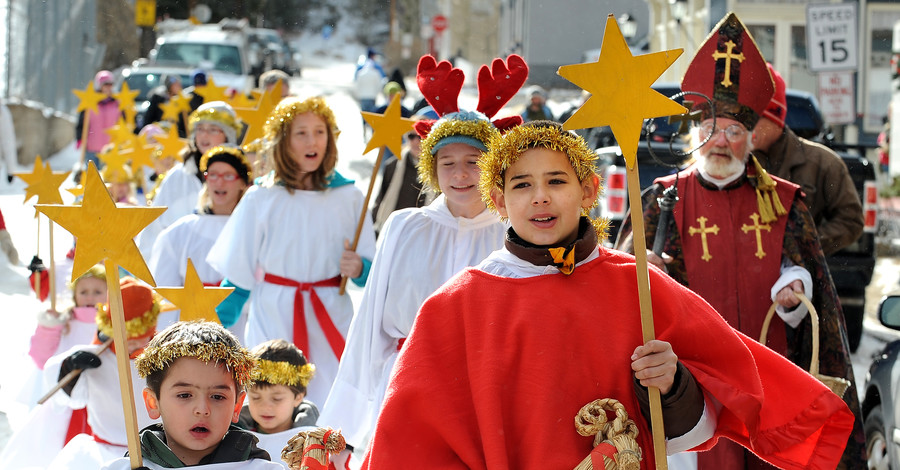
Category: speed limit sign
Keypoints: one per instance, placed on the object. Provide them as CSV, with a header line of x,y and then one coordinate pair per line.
x,y
831,36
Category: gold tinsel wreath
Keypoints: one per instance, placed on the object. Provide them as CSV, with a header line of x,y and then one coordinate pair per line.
x,y
283,114
215,115
233,151
283,373
480,129
134,328
238,360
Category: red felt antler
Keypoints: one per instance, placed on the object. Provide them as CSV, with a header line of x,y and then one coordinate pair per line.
x,y
497,85
440,84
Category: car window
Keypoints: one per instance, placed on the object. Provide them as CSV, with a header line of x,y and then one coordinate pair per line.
x,y
144,82
226,58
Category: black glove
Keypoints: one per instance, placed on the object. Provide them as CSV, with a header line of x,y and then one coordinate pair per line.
x,y
9,179
83,360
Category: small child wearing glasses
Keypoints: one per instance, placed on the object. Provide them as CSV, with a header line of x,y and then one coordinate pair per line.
x,y
228,175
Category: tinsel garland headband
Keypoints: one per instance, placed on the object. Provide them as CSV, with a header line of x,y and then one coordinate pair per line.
x,y
237,360
283,373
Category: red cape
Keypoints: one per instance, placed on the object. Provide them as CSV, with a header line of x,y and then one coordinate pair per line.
x,y
495,370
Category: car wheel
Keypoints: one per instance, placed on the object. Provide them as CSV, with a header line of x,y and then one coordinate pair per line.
x,y
876,444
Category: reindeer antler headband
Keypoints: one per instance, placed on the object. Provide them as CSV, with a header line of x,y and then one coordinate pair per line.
x,y
441,83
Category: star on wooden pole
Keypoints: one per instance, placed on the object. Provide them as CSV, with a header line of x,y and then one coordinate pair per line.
x,y
142,152
387,131
211,92
621,98
43,182
126,97
105,232
122,134
171,144
196,301
88,100
255,117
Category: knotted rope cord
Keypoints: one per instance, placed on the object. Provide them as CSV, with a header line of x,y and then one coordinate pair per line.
x,y
311,449
615,444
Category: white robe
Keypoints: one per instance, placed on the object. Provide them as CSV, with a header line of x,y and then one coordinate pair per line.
x,y
301,237
255,464
98,390
179,192
191,236
418,251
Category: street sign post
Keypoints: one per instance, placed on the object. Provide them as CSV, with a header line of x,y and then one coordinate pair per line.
x,y
831,40
439,23
836,97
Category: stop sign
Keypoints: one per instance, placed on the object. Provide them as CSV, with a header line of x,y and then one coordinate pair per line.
x,y
439,23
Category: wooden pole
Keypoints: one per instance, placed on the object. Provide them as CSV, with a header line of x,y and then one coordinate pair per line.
x,y
123,364
84,136
647,328
37,251
364,213
71,375
52,270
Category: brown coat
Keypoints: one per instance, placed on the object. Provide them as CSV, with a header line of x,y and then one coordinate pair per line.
x,y
828,191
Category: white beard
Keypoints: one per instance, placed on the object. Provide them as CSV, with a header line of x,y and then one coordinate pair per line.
x,y
720,168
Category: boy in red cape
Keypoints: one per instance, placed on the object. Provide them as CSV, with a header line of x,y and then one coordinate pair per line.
x,y
503,356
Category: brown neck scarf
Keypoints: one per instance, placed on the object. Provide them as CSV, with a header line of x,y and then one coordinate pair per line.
x,y
563,257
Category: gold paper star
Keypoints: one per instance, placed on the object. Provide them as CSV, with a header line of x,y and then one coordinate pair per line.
x,y
43,182
122,134
172,145
88,98
255,117
241,100
113,159
619,84
171,110
126,97
195,301
388,129
102,230
210,92
78,190
141,154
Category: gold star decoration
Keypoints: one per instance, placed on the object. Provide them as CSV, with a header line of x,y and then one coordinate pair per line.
x,y
172,109
619,84
241,100
388,129
211,92
122,134
141,154
172,145
103,230
113,160
78,189
43,182
255,117
88,98
126,97
196,301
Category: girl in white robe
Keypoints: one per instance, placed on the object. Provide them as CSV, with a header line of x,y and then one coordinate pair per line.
x,y
287,243
227,172
456,231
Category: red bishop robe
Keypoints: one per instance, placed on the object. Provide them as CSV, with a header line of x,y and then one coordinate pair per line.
x,y
495,370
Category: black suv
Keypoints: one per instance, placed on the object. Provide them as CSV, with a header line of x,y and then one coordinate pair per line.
x,y
851,268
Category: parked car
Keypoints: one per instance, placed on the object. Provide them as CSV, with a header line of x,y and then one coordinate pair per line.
x,y
269,51
144,77
851,268
881,415
220,49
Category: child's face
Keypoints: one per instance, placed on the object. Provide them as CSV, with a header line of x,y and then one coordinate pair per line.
x,y
224,194
543,198
89,292
457,174
120,191
272,407
197,402
207,136
308,141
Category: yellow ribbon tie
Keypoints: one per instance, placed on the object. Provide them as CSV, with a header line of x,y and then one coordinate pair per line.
x,y
565,263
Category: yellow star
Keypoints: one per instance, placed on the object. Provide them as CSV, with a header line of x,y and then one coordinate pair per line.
x,y
255,117
122,134
619,84
89,98
171,110
126,97
102,230
210,92
172,145
141,154
113,160
78,190
195,301
43,183
388,129
241,100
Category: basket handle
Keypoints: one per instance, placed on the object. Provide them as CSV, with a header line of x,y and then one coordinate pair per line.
x,y
814,318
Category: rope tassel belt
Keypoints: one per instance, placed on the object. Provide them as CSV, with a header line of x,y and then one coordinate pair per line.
x,y
301,335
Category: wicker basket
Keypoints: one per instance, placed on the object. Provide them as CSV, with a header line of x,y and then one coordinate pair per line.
x,y
838,385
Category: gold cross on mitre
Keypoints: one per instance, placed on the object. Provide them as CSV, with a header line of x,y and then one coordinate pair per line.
x,y
727,55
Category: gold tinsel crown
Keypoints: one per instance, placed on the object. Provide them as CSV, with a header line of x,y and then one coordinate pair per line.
x,y
474,125
214,115
238,360
134,328
235,152
283,115
283,373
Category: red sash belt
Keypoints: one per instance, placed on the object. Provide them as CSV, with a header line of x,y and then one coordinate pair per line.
x,y
104,441
301,336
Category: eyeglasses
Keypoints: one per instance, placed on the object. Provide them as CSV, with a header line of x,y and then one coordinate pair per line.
x,y
413,135
733,133
228,177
